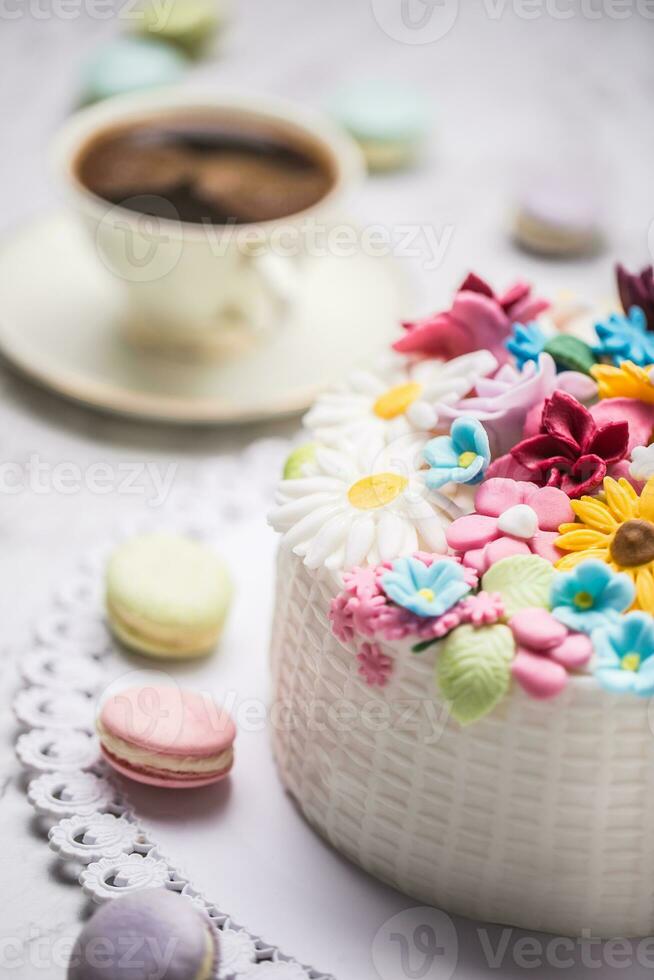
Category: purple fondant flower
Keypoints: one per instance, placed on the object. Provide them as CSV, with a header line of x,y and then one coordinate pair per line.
x,y
502,403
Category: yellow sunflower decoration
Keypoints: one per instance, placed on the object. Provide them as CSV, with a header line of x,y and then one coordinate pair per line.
x,y
616,527
626,381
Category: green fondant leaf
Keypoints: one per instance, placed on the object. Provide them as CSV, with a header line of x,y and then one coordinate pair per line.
x,y
473,670
297,459
570,353
524,581
424,645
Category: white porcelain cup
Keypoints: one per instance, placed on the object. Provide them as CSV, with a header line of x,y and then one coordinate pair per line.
x,y
197,286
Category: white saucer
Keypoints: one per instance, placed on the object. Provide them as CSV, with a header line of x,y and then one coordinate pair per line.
x,y
59,310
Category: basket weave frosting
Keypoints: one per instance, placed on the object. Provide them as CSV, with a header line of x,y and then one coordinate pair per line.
x,y
539,816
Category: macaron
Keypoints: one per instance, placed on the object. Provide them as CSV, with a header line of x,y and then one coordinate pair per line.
x,y
152,933
129,64
389,122
557,219
167,737
189,23
167,596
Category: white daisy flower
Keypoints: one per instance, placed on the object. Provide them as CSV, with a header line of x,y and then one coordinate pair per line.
x,y
397,398
642,462
361,507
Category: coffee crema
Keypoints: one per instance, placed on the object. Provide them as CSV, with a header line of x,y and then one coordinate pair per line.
x,y
205,168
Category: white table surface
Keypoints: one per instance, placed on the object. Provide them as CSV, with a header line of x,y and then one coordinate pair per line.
x,y
507,94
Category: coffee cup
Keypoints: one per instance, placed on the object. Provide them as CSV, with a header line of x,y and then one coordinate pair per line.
x,y
192,280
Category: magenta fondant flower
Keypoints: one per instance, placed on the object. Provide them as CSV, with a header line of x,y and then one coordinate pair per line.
x,y
477,320
637,289
502,403
571,451
374,666
511,518
546,651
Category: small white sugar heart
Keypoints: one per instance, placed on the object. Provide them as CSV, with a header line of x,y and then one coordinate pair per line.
x,y
520,521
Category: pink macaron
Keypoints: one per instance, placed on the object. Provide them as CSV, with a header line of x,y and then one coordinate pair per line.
x,y
168,737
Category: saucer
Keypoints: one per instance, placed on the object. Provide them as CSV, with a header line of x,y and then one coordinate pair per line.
x,y
60,311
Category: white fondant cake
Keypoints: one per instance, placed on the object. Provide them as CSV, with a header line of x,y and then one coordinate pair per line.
x,y
463,638
539,815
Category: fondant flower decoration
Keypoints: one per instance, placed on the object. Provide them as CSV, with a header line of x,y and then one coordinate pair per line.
x,y
638,415
511,518
624,662
590,596
397,399
571,451
483,609
617,529
362,607
425,590
625,338
546,651
526,343
374,666
637,289
461,457
642,463
503,402
361,508
627,381
477,319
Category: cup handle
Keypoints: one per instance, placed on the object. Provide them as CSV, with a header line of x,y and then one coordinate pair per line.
x,y
280,275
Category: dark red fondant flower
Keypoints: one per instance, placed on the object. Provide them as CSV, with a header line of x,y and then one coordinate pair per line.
x,y
477,319
637,289
571,451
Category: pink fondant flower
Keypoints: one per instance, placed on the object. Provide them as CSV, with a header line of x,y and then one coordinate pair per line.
x,y
511,518
362,608
502,403
483,609
477,320
546,651
374,666
571,451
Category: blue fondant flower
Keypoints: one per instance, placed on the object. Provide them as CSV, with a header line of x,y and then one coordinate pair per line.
x,y
625,338
625,655
527,343
425,591
590,596
461,457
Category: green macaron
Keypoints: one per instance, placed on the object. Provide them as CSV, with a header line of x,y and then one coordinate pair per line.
x,y
130,64
388,120
167,596
188,23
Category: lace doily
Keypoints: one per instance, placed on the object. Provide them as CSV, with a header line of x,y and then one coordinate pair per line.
x,y
88,819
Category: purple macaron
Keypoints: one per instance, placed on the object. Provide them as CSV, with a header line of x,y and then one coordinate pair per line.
x,y
150,934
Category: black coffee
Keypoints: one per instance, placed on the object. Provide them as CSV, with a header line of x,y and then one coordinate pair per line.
x,y
205,168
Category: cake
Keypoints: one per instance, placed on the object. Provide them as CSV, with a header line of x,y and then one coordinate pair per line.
x,y
463,635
